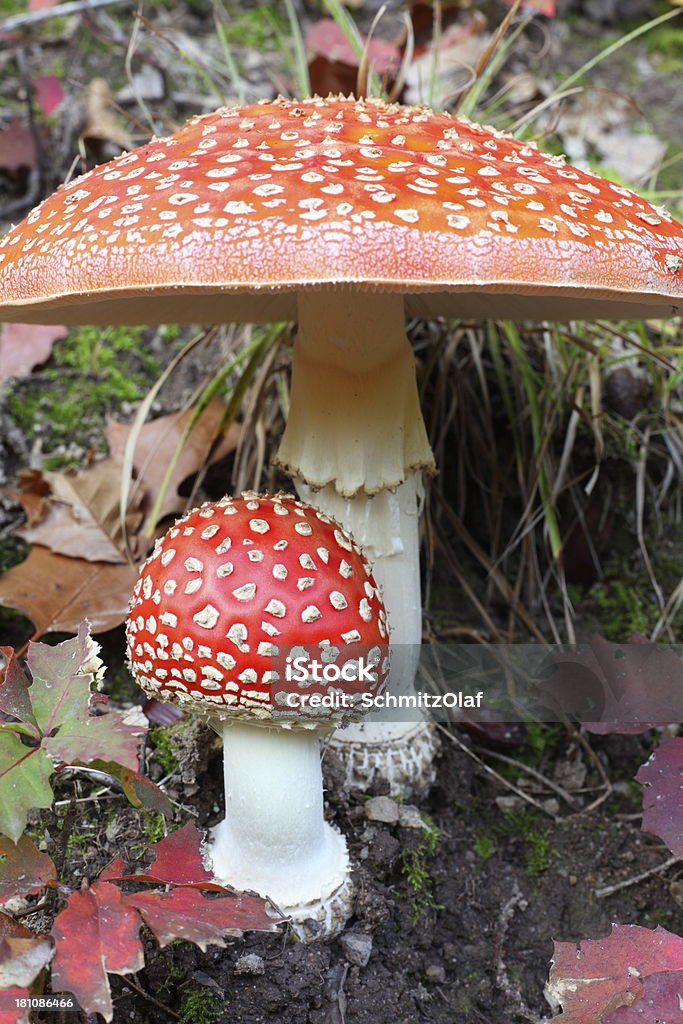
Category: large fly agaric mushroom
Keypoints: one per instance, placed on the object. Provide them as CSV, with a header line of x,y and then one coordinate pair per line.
x,y
346,216
234,590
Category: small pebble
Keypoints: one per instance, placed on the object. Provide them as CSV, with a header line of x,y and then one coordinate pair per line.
x,y
250,963
357,947
410,817
435,974
382,808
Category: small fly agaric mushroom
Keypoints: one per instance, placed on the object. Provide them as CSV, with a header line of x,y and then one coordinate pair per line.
x,y
345,215
234,590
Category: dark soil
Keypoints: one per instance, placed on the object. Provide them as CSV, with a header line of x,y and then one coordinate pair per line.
x,y
461,929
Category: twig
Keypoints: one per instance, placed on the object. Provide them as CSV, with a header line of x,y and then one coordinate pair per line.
x,y
494,774
145,995
609,890
510,989
520,766
60,11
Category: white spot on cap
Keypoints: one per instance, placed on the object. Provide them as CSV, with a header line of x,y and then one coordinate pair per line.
x,y
255,555
304,529
203,651
345,570
268,650
248,676
280,572
225,569
352,637
168,619
168,556
276,608
224,546
238,633
259,525
280,545
170,587
246,592
211,672
338,601
225,659
210,532
365,611
306,562
193,565
269,629
207,617
311,614
194,585
189,675
342,540
304,582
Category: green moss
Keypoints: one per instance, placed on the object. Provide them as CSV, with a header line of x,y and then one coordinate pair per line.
x,y
484,846
198,1006
91,372
163,748
259,28
539,850
415,870
155,827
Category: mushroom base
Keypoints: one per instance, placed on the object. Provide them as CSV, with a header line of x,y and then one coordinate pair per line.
x,y
403,754
274,840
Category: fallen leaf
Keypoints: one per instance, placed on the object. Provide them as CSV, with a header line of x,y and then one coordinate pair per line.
x,y
49,93
187,914
82,518
178,861
101,123
662,780
333,66
61,680
22,960
156,446
39,5
24,783
661,1002
23,346
14,698
32,492
599,975
95,934
104,738
11,1012
615,688
56,593
23,869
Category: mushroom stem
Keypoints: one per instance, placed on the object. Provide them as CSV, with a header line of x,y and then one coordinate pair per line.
x,y
394,742
274,839
355,418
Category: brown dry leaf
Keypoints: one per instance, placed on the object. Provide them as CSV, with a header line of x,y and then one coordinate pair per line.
x,y
101,124
56,593
156,447
82,518
33,494
23,346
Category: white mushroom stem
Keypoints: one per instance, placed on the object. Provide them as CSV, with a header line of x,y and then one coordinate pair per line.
x,y
355,419
274,839
393,742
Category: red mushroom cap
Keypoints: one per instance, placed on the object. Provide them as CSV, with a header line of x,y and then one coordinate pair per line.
x,y
235,585
246,205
